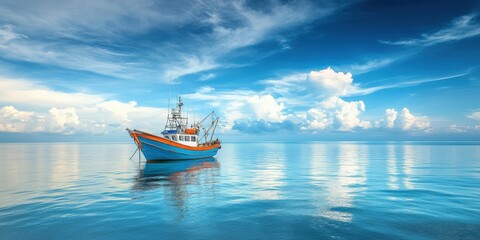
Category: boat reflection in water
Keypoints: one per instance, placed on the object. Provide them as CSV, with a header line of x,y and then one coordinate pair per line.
x,y
180,179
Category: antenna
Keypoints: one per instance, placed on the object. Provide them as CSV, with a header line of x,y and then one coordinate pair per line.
x,y
194,114
168,107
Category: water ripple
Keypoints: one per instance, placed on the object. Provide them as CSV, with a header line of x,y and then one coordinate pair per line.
x,y
249,191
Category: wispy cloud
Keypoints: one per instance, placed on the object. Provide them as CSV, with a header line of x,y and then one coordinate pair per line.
x,y
463,27
33,94
164,40
369,65
7,33
359,91
206,77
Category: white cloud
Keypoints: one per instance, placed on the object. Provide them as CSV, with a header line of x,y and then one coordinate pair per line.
x,y
7,33
330,113
294,82
207,77
18,91
206,89
248,107
370,65
328,82
404,121
390,117
91,37
331,83
117,110
318,119
407,121
241,105
474,116
358,91
464,129
12,120
460,28
266,108
335,113
68,113
108,117
64,120
189,64
79,57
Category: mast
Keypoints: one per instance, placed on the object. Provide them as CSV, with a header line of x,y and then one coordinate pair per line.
x,y
175,121
178,124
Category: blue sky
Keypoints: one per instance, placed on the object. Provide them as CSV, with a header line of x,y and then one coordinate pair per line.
x,y
272,70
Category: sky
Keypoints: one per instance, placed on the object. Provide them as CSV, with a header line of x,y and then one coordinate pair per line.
x,y
76,70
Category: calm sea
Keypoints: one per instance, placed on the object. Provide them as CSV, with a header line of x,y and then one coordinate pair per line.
x,y
316,190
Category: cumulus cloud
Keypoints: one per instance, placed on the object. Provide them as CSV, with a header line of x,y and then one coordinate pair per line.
x,y
407,121
404,121
64,120
335,113
55,121
13,120
107,117
474,116
70,112
266,107
246,108
241,106
117,110
331,83
390,117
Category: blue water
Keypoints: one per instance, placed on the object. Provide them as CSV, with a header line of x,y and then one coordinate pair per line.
x,y
317,190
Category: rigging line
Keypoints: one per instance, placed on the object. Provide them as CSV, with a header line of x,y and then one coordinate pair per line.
x,y
134,153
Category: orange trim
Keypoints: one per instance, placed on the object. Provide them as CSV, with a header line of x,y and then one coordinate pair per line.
x,y
135,138
190,131
175,144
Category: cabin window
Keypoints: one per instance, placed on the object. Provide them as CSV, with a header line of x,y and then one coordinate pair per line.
x,y
167,137
187,138
194,139
174,137
181,137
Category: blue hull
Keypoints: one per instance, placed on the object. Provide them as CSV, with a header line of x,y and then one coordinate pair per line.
x,y
155,150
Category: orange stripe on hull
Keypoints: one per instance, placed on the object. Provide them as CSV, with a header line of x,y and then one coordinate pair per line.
x,y
135,138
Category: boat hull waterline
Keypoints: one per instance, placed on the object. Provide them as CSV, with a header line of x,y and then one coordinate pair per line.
x,y
156,148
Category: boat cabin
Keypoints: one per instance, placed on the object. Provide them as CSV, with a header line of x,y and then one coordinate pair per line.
x,y
186,139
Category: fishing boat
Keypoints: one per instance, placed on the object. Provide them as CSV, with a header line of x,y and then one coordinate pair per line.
x,y
178,141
